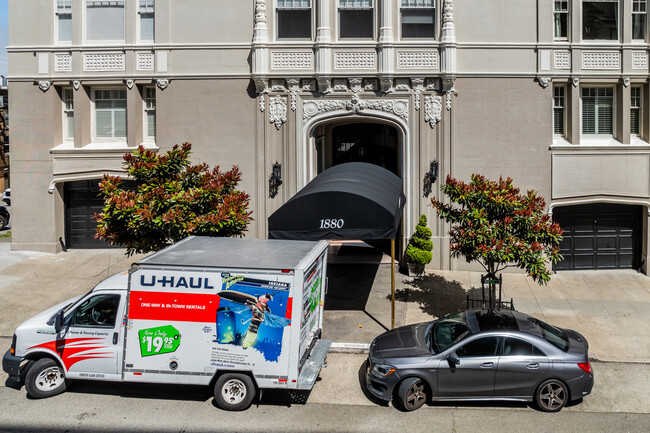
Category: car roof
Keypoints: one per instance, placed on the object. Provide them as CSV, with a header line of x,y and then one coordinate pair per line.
x,y
502,320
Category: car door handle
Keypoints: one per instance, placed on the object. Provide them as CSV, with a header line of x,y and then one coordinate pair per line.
x,y
487,365
533,366
114,337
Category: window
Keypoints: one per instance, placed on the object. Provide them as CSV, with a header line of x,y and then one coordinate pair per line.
x,y
638,19
105,20
98,311
146,12
294,19
150,113
635,110
486,346
558,109
418,19
447,331
67,97
110,114
600,20
64,20
597,110
356,19
561,18
517,347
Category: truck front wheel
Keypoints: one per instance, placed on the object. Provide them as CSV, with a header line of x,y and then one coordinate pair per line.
x,y
45,379
234,391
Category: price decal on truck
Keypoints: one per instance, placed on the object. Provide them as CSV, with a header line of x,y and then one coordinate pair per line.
x,y
154,341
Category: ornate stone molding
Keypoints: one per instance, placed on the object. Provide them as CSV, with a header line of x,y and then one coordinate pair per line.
x,y
626,81
324,85
260,11
357,106
601,60
575,81
386,84
355,84
262,102
278,86
278,110
448,101
76,84
129,83
418,87
44,85
162,83
340,85
448,12
544,81
294,87
432,109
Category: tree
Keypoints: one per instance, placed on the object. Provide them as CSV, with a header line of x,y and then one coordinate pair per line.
x,y
492,224
171,200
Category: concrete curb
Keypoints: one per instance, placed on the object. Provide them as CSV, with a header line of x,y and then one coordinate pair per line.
x,y
358,348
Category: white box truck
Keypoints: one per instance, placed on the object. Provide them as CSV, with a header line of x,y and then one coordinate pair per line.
x,y
240,315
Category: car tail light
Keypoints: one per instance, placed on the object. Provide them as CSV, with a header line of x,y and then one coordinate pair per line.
x,y
585,366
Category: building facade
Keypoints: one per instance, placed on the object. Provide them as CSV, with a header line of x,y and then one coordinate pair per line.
x,y
551,93
4,136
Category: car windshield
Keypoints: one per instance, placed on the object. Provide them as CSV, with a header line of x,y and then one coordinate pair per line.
x,y
447,331
554,335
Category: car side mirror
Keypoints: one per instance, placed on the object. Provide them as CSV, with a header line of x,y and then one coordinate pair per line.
x,y
453,359
58,321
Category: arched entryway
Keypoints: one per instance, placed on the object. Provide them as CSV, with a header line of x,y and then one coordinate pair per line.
x,y
370,142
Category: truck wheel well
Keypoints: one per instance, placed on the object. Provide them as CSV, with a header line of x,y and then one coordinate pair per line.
x,y
33,357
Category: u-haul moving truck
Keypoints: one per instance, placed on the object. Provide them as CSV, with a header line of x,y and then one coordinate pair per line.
x,y
239,314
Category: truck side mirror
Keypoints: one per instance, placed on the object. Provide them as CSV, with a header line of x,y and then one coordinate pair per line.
x,y
58,321
453,359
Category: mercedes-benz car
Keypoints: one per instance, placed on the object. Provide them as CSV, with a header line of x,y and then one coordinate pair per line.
x,y
480,355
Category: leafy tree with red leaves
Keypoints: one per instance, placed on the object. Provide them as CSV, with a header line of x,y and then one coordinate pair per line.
x,y
171,200
492,224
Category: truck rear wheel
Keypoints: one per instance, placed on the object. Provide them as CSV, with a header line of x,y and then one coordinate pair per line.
x,y
45,379
234,391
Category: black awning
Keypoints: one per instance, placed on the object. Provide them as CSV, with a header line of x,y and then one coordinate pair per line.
x,y
355,200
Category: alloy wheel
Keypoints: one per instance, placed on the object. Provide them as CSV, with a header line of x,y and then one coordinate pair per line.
x,y
552,396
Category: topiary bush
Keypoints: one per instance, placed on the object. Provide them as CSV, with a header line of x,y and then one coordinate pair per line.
x,y
420,246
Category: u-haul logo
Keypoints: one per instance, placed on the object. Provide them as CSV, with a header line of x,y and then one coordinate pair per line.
x,y
175,282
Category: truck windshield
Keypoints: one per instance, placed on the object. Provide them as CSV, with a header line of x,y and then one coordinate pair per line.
x,y
447,331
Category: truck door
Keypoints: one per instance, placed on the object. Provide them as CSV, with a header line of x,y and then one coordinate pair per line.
x,y
91,346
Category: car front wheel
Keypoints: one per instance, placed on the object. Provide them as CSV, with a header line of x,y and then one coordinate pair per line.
x,y
551,395
45,379
411,394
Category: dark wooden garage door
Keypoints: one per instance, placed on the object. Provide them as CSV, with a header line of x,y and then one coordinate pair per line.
x,y
599,236
82,200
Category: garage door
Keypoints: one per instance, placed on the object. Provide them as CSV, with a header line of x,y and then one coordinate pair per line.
x,y
599,236
82,200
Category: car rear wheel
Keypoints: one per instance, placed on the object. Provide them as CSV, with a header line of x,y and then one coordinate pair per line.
x,y
3,222
234,391
45,379
411,394
551,395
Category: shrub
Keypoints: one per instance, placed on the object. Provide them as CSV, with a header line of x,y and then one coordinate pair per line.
x,y
420,246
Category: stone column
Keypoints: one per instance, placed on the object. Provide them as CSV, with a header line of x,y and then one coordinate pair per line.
x,y
386,50
323,46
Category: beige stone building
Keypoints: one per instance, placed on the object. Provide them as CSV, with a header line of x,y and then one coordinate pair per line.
x,y
552,93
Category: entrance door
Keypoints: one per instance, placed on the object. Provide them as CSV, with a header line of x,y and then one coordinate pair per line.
x,y
82,201
599,236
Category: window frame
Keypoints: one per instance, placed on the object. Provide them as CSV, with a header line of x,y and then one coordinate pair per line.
x,y
619,19
567,14
644,20
57,23
436,25
614,119
563,107
140,12
639,109
93,118
145,114
312,20
103,41
105,296
372,8
66,137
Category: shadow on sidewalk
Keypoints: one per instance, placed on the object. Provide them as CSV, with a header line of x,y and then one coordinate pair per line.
x,y
436,295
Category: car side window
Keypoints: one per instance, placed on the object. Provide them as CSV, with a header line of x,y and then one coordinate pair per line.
x,y
517,347
486,346
99,311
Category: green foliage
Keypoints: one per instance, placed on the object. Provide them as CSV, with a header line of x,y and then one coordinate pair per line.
x,y
493,224
420,246
171,201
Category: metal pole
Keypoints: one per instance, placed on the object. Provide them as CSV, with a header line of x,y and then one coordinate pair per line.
x,y
392,283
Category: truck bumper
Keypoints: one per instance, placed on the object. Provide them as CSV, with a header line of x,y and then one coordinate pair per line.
x,y
11,364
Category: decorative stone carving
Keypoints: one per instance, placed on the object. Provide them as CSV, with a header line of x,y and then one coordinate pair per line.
x,y
355,84
261,85
309,85
278,86
448,83
291,60
340,85
294,86
44,85
144,61
76,84
418,87
448,103
370,85
561,60
262,102
129,83
417,60
626,81
432,109
639,60
324,85
386,84
601,60
448,12
260,11
278,110
433,84
62,62
104,62
357,106
349,60
162,83
544,81
575,81
402,84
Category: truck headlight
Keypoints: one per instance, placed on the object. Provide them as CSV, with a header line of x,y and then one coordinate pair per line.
x,y
382,369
